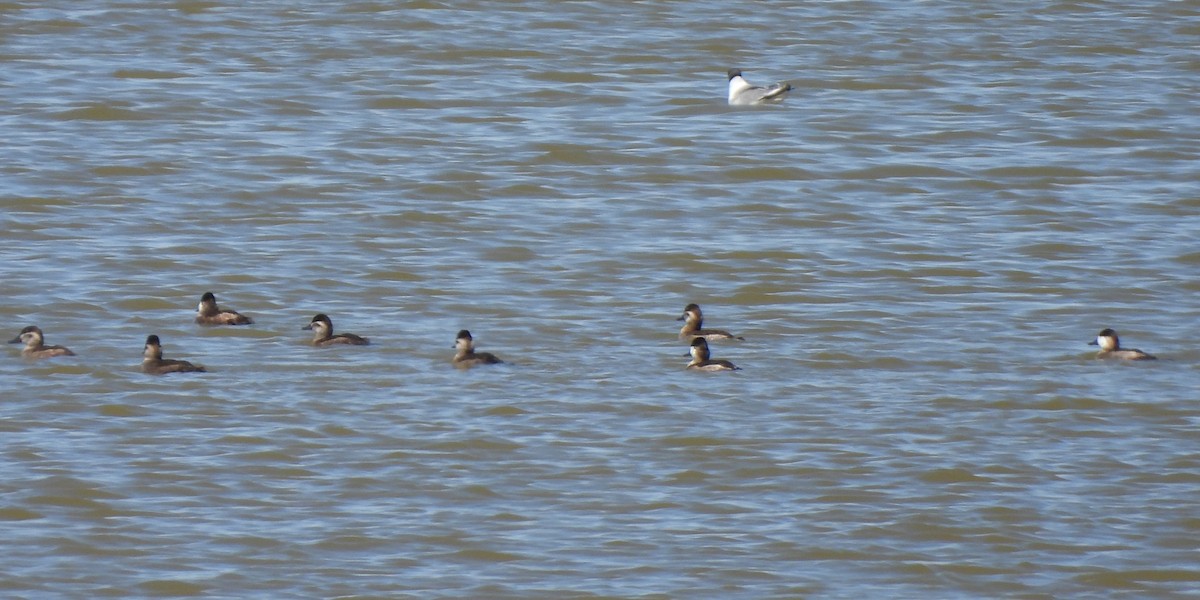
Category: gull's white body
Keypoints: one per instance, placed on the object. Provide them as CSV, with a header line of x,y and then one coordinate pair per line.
x,y
744,93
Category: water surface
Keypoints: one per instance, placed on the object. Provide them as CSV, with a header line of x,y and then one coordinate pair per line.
x,y
917,245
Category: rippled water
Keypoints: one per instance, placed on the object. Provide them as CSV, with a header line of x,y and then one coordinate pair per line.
x,y
917,246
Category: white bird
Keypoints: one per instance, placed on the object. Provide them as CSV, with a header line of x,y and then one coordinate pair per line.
x,y
742,92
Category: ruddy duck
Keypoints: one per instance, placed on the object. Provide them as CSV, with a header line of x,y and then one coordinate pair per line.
x,y
208,313
702,362
465,354
743,93
154,364
694,327
1110,347
35,344
323,333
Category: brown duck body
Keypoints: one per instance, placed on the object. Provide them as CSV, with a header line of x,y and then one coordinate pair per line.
x,y
154,363
1110,347
208,313
465,354
693,327
322,328
702,361
35,344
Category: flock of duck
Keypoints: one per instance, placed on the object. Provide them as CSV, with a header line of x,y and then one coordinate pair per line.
x,y
741,93
210,314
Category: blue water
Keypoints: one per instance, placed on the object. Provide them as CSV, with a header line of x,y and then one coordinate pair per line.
x,y
917,245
